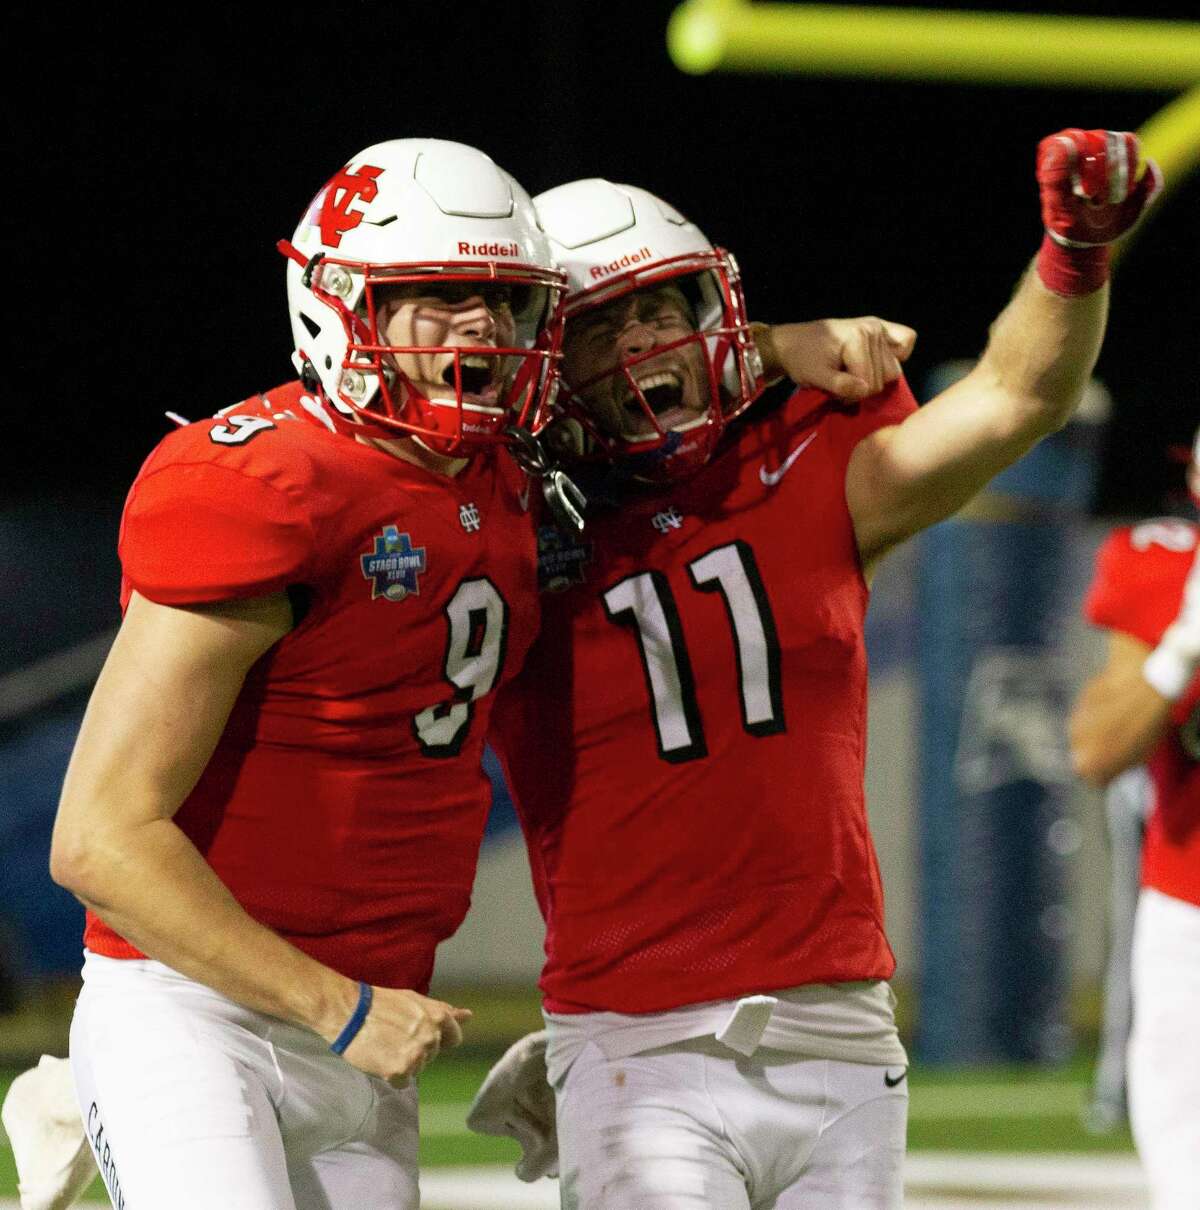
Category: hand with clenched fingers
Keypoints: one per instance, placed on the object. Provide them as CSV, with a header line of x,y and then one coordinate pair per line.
x,y
403,1033
848,358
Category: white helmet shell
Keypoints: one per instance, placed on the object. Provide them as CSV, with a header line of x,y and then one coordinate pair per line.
x,y
599,230
421,206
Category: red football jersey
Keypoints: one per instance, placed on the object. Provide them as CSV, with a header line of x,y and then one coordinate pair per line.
x,y
345,804
686,743
1138,589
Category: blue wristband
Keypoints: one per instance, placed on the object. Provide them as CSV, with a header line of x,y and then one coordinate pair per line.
x,y
350,1032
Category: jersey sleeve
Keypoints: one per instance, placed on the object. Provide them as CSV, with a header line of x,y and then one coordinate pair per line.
x,y
851,422
1118,599
891,406
1104,605
198,530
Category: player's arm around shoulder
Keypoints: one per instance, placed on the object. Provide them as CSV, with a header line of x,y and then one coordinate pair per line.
x,y
1040,352
848,358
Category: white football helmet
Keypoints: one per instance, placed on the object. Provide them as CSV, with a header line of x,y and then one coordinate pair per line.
x,y
424,212
615,240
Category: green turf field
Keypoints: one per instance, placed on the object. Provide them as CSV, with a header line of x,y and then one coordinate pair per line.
x,y
1002,1109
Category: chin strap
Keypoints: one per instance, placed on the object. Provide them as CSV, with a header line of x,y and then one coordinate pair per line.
x,y
565,500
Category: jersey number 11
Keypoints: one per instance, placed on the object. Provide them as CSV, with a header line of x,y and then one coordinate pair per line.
x,y
644,602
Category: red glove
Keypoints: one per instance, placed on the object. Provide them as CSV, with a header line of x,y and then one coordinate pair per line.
x,y
1091,196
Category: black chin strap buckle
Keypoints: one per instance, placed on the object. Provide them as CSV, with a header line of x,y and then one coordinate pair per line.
x,y
563,496
567,502
528,450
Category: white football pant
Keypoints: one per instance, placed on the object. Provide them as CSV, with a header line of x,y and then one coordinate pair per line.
x,y
695,1126
192,1102
1164,1049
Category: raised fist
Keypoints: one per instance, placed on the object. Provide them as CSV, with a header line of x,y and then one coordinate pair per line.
x,y
1090,189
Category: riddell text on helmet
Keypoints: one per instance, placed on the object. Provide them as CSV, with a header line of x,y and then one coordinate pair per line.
x,y
468,249
624,262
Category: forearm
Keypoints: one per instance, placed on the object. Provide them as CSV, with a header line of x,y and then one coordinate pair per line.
x,y
150,884
1116,723
1041,352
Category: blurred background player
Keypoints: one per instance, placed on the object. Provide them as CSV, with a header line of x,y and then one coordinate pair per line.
x,y
697,832
1144,707
1128,800
274,806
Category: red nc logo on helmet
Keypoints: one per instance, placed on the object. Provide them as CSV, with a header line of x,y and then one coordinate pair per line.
x,y
336,216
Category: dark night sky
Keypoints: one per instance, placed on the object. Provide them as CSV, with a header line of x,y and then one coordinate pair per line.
x,y
162,159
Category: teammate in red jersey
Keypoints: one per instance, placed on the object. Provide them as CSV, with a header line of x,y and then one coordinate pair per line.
x,y
1144,707
686,743
275,803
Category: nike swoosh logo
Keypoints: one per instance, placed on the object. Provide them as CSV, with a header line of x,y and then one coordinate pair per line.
x,y
770,478
891,1083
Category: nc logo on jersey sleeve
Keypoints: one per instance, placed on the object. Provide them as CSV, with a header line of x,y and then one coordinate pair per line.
x,y
561,559
394,566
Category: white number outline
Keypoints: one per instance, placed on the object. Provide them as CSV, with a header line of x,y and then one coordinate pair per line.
x,y
471,669
244,427
1170,533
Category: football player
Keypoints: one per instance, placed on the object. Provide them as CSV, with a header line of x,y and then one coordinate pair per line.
x,y
1143,707
686,742
274,805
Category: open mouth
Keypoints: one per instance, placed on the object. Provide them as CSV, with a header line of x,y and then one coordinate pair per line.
x,y
663,393
480,382
477,373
